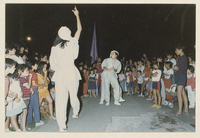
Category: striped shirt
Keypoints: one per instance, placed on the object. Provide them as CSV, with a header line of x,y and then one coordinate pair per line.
x,y
26,91
6,85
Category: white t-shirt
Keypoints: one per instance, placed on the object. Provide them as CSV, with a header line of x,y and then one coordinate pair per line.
x,y
121,77
141,68
168,73
140,79
19,60
173,61
157,78
97,75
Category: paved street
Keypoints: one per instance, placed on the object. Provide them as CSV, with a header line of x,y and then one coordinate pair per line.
x,y
134,115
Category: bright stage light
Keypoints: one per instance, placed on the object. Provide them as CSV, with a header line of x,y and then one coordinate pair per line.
x,y
28,38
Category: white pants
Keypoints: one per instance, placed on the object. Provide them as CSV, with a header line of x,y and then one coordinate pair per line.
x,y
63,90
191,96
105,93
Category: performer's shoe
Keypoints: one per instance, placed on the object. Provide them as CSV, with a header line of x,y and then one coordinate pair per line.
x,y
117,103
101,102
121,100
75,116
107,103
64,129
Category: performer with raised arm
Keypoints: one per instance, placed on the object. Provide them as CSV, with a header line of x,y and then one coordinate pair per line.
x,y
64,51
111,67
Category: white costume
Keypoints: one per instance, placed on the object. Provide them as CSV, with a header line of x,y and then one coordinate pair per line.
x,y
110,77
66,78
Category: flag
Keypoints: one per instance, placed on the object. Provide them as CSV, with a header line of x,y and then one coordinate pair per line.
x,y
93,52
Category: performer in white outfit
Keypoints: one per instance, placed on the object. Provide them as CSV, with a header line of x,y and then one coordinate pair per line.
x,y
111,67
66,77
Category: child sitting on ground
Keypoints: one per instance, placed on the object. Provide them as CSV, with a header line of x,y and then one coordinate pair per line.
x,y
44,109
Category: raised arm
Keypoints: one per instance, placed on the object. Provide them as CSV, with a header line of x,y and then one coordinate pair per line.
x,y
79,27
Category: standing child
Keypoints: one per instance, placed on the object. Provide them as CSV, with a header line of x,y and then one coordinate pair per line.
x,y
156,75
43,91
17,105
9,69
167,73
122,80
92,83
134,73
191,86
85,84
25,84
149,89
146,77
139,79
126,74
80,88
130,79
34,103
96,81
171,59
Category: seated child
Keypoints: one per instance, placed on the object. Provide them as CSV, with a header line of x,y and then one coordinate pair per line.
x,y
44,109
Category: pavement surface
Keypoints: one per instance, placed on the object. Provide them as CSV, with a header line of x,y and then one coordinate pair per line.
x,y
134,115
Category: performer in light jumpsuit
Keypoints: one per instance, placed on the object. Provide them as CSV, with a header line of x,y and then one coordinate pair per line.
x,y
66,77
111,67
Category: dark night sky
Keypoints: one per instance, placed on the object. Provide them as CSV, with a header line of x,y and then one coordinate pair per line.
x,y
151,29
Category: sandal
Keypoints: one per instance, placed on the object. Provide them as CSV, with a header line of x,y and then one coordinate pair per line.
x,y
186,113
177,115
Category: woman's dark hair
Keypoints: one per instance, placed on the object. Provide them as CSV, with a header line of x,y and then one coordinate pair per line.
x,y
40,67
9,63
31,62
50,86
60,41
9,47
191,68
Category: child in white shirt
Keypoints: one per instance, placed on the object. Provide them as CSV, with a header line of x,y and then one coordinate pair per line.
x,y
156,75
